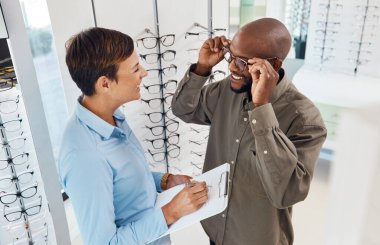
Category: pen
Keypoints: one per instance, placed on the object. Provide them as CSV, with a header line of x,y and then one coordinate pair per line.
x,y
191,184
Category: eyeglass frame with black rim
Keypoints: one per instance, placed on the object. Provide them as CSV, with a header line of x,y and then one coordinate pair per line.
x,y
159,56
157,40
244,61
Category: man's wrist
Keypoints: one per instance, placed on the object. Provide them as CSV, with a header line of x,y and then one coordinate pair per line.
x,y
165,180
202,70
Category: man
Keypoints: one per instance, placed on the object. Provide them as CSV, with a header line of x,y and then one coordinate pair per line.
x,y
101,162
269,132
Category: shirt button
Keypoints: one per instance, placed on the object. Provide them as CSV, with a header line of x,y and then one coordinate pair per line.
x,y
223,215
232,162
254,121
237,140
245,119
265,152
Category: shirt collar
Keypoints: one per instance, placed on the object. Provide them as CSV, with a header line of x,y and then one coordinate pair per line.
x,y
97,124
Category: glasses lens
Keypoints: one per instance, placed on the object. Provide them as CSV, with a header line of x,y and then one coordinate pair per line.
x,y
155,117
20,159
12,126
8,198
170,71
25,177
5,183
29,192
167,40
157,131
13,216
174,152
240,63
8,106
154,89
158,156
151,58
155,103
153,73
17,143
33,210
158,143
168,55
168,99
170,85
149,42
172,127
173,139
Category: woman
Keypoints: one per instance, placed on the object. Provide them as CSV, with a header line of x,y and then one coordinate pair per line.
x,y
101,163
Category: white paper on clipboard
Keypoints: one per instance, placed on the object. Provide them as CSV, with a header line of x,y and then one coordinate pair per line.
x,y
217,180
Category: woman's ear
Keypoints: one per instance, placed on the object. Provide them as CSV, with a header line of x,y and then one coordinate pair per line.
x,y
102,84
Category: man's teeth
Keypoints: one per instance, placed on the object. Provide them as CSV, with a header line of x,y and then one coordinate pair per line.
x,y
236,77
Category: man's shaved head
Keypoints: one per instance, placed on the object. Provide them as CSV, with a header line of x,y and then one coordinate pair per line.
x,y
263,38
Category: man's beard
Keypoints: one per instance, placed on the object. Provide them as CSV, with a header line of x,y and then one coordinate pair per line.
x,y
246,87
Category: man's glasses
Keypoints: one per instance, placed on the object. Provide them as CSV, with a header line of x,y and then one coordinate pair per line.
x,y
242,64
157,102
17,160
13,215
170,85
152,58
171,126
167,71
10,198
151,42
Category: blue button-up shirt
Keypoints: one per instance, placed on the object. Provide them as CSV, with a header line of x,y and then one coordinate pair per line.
x,y
104,171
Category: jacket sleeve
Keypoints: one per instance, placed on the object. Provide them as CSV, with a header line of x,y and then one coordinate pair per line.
x,y
193,102
88,180
286,163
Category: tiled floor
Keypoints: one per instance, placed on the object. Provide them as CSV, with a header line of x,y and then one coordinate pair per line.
x,y
309,217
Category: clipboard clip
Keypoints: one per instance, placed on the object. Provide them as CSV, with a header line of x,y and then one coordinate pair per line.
x,y
223,189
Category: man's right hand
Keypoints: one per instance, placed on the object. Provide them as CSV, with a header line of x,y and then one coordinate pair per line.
x,y
185,202
210,54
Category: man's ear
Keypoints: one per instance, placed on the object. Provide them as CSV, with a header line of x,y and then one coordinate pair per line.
x,y
102,84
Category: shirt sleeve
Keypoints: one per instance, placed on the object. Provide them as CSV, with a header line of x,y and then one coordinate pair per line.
x,y
193,102
88,180
157,180
286,163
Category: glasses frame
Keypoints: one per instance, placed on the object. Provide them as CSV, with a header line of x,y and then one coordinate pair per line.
x,y
242,63
157,39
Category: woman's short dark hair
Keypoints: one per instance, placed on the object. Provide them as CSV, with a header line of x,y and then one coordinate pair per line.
x,y
96,52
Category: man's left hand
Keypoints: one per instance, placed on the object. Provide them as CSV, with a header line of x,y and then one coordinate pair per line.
x,y
264,80
174,180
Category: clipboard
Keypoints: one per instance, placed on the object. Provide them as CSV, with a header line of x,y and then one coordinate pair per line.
x,y
217,180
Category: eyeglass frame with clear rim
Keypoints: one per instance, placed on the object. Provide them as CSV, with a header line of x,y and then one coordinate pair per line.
x,y
157,40
164,85
244,62
14,101
11,160
12,179
158,56
2,125
162,71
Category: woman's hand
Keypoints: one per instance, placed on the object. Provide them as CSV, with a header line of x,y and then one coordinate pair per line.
x,y
177,179
185,202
